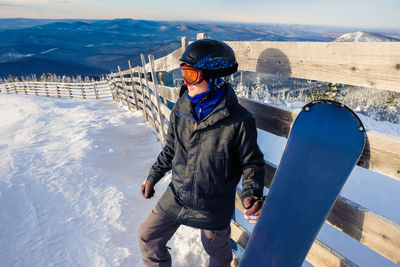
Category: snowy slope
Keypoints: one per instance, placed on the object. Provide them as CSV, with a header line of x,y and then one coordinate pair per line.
x,y
70,174
364,37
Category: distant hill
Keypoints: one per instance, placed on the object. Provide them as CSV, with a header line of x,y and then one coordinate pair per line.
x,y
18,23
364,37
91,46
38,66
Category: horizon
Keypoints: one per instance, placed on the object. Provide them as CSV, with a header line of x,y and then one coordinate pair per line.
x,y
215,22
329,13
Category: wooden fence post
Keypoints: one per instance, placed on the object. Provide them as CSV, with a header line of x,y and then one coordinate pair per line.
x,y
142,92
115,90
202,35
15,88
25,90
133,85
83,91
184,42
35,89
157,93
148,91
95,91
58,90
109,77
7,89
69,91
128,102
46,89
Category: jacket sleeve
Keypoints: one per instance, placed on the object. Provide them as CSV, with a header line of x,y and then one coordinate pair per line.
x,y
251,159
164,160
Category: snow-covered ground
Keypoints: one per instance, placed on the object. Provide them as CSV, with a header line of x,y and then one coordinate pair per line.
x,y
70,174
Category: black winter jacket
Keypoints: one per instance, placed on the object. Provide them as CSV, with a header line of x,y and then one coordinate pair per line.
x,y
207,162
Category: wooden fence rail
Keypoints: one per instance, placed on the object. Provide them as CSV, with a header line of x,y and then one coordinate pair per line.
x,y
97,90
374,65
322,61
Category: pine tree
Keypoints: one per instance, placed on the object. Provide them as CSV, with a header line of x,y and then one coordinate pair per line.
x,y
260,91
241,89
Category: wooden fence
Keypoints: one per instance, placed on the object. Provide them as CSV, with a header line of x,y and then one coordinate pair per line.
x,y
96,90
366,64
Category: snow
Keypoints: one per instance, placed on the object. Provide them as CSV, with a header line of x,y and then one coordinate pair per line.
x,y
70,176
10,56
364,37
48,51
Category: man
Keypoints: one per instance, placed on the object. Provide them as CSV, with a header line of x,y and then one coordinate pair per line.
x,y
211,142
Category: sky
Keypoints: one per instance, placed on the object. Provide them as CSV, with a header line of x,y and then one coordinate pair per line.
x,y
364,13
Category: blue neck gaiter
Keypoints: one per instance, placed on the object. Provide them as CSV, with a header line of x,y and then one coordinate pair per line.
x,y
203,107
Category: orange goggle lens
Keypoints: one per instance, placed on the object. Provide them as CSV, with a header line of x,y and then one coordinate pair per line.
x,y
191,75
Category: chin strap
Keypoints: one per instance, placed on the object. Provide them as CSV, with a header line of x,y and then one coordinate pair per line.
x,y
213,85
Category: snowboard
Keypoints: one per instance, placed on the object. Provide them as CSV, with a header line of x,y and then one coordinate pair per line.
x,y
324,145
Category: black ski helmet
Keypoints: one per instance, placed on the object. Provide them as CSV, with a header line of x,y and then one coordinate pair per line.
x,y
215,58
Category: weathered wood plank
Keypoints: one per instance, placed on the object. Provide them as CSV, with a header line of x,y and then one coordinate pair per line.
x,y
166,111
141,90
46,89
170,93
115,75
375,65
124,79
169,62
184,43
319,254
25,89
268,118
125,89
89,84
133,85
322,255
95,91
371,229
381,153
157,95
147,91
201,35
239,234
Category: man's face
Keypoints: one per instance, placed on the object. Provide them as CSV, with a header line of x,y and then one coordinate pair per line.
x,y
195,89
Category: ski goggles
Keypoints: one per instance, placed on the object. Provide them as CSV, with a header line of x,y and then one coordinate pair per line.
x,y
191,75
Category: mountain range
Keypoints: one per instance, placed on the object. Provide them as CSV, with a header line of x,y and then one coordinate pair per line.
x,y
95,47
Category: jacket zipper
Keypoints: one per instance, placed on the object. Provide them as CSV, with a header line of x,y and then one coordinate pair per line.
x,y
195,124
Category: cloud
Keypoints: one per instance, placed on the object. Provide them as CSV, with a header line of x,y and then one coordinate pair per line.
x,y
32,4
20,3
2,3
